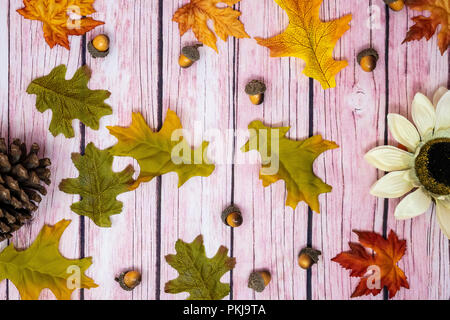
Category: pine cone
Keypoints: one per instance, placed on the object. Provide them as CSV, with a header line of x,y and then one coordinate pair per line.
x,y
20,185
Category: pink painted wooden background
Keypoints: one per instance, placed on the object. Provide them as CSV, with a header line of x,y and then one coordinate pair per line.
x,y
143,75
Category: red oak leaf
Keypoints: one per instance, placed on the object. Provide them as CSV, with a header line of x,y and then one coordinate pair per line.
x,y
427,26
376,270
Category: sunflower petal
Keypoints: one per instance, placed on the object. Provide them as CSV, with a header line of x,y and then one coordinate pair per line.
x,y
443,113
423,114
438,95
403,131
413,205
392,185
389,158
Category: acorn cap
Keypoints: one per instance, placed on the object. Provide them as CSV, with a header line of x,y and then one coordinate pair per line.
x,y
388,2
255,87
227,211
312,253
256,282
191,52
368,52
121,281
96,53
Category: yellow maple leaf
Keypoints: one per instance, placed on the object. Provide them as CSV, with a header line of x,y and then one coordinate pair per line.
x,y
58,24
310,39
195,16
42,266
291,161
162,152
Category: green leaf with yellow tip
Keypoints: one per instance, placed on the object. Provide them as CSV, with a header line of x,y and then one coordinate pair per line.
x,y
291,161
160,152
69,100
98,185
199,275
42,266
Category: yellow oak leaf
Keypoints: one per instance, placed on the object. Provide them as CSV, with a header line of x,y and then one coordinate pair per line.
x,y
61,18
195,16
162,152
42,266
291,161
310,39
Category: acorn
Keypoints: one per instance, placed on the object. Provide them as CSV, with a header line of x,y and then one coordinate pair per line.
x,y
395,5
129,280
308,257
99,46
232,217
189,55
368,59
259,280
256,89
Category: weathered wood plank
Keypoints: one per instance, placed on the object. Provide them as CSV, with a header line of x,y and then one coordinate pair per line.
x,y
417,67
272,234
202,98
352,114
31,57
130,72
4,90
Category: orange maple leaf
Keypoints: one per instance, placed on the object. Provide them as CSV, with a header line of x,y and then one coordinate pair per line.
x,y
58,23
383,263
195,16
310,39
427,26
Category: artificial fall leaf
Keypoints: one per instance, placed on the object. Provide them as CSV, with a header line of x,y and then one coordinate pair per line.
x,y
42,266
199,275
387,253
160,153
295,162
195,16
69,100
58,24
310,39
98,185
427,26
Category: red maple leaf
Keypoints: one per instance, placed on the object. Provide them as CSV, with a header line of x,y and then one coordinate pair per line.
x,y
380,266
427,26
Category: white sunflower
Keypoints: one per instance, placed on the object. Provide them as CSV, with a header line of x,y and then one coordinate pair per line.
x,y
425,166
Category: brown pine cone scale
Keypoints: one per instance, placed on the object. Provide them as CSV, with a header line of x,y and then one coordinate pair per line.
x,y
21,178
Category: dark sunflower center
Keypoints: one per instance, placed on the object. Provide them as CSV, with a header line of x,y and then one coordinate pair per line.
x,y
433,166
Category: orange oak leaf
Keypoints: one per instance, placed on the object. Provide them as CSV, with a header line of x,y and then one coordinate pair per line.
x,y
375,270
310,39
195,16
425,27
61,18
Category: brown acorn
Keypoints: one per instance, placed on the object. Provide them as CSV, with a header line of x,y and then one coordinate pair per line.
x,y
395,5
308,257
368,59
232,217
99,46
189,55
259,280
256,89
129,280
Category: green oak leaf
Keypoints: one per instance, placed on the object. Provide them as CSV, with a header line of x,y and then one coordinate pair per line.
x,y
69,100
98,185
199,275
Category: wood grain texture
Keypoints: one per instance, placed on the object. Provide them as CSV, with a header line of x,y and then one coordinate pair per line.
x,y
130,73
353,115
272,234
203,99
143,74
417,67
31,57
